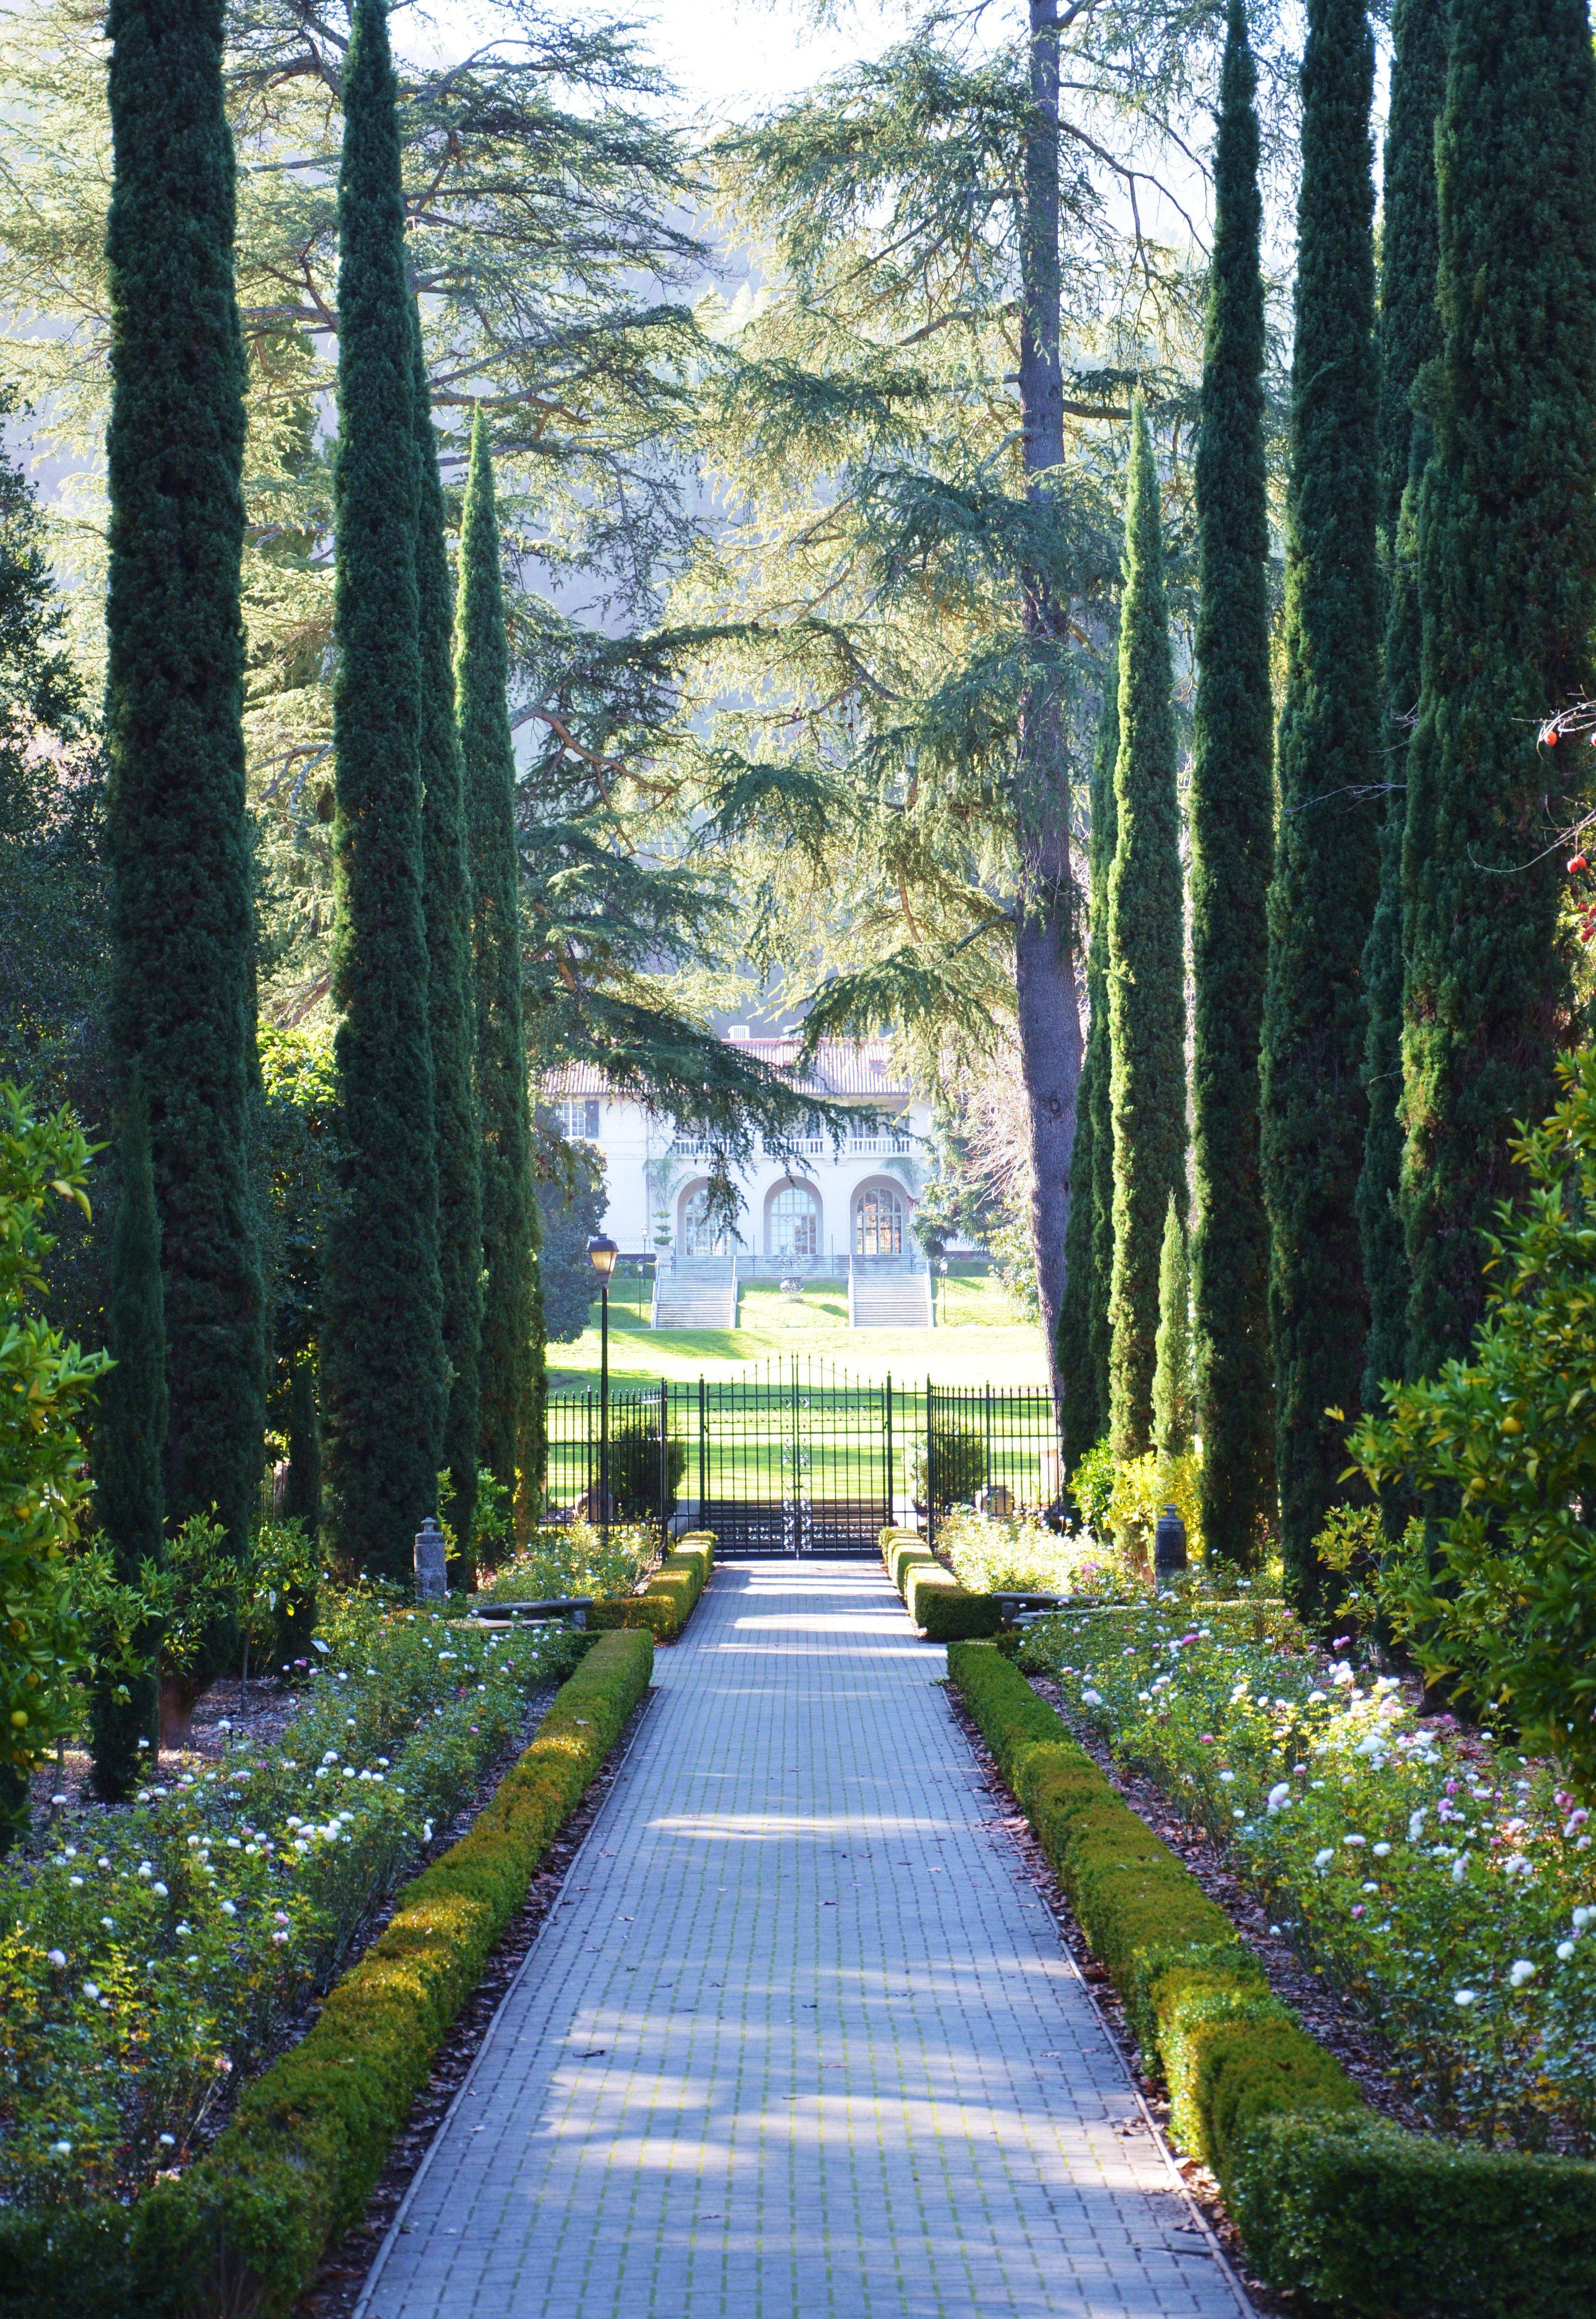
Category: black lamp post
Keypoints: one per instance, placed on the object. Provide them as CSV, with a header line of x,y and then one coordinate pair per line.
x,y
602,1252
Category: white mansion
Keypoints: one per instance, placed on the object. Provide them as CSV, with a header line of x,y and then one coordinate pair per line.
x,y
819,1211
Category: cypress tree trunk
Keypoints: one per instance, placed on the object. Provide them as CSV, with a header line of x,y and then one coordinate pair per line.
x,y
177,833
1146,962
1083,1329
1232,836
130,1437
382,1346
1327,854
1173,1382
1047,1014
1507,583
301,1493
1410,337
511,1334
448,900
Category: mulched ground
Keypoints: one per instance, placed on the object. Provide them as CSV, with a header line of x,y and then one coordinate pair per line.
x,y
336,2288
1035,1872
258,1708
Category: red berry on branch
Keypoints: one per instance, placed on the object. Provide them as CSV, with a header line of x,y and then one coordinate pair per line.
x,y
1577,864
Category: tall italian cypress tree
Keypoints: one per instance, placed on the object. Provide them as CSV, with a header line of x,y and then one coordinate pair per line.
x,y
1327,854
1088,1246
383,1374
1232,838
177,833
1410,337
512,1335
1507,584
1146,962
1175,1380
130,1437
451,1016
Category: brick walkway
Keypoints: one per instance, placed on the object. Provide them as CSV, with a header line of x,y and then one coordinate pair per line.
x,y
798,2042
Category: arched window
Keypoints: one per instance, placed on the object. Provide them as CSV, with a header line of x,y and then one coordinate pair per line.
x,y
794,1223
698,1231
878,1222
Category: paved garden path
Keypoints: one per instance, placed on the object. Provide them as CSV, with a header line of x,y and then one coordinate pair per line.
x,y
799,2042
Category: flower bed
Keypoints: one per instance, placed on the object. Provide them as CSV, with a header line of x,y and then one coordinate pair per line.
x,y
1446,1886
242,2229
574,1559
1361,2217
149,1954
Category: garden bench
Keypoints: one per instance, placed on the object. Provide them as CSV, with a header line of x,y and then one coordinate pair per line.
x,y
571,1608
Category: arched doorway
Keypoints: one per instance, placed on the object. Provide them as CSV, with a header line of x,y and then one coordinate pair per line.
x,y
878,1217
701,1234
792,1221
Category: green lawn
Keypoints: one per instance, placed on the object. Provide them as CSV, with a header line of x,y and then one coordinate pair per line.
x,y
980,1342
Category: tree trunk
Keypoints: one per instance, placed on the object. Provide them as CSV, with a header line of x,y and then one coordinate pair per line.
x,y
1044,931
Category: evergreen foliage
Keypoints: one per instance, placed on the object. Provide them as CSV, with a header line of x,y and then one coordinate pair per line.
x,y
382,1361
1232,811
1506,586
1089,1249
1146,961
1410,337
178,841
1327,859
446,900
512,1327
128,1441
1174,1388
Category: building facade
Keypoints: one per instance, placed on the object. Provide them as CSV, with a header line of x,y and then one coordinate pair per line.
x,y
814,1211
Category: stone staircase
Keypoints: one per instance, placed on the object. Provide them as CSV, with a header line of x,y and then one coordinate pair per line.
x,y
695,1300
890,1300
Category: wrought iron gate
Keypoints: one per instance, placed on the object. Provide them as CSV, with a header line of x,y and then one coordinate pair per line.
x,y
797,1457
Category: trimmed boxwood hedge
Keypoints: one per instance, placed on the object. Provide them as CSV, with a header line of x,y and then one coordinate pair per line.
x,y
1331,2201
671,1595
241,2232
934,1599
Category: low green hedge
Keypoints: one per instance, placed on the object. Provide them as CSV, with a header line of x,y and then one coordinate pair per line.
x,y
243,2229
1330,2201
671,1595
934,1599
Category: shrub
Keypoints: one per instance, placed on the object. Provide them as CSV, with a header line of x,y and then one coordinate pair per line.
x,y
1142,1488
1092,1486
1501,1450
634,1469
44,1386
575,1558
671,1595
958,1462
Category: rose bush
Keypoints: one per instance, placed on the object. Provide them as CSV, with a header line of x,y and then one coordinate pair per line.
x,y
566,1558
1444,1884
149,1954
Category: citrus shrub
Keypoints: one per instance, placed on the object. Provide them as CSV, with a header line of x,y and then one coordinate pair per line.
x,y
1501,1450
44,1386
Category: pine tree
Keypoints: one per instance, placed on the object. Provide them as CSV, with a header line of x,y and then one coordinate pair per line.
x,y
1327,858
1410,337
447,901
177,833
382,1359
129,1441
1507,587
512,1335
1146,961
1088,1252
1175,1389
1233,809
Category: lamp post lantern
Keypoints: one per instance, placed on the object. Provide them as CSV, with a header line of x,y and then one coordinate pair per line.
x,y
602,1252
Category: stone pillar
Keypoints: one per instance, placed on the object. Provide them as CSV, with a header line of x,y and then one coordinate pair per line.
x,y
431,1550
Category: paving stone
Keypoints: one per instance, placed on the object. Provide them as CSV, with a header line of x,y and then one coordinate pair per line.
x,y
797,2043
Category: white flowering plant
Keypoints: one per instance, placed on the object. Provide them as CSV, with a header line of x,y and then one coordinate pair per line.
x,y
147,1954
1444,1883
